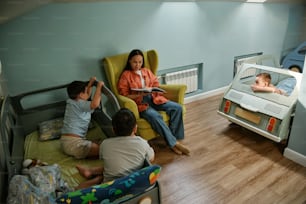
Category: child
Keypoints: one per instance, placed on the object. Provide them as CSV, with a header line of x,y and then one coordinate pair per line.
x,y
284,87
122,154
77,118
263,83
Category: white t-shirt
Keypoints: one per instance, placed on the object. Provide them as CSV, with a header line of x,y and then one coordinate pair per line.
x,y
141,78
123,155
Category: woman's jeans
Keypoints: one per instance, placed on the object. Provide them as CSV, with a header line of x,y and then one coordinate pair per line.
x,y
175,131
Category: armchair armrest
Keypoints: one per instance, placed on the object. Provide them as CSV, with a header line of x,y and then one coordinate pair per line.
x,y
175,92
130,104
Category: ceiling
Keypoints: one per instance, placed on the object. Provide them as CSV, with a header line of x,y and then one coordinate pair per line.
x,y
12,8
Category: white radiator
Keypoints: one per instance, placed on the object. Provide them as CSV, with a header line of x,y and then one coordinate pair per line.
x,y
188,77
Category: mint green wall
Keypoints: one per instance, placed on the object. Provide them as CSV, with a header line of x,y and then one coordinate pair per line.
x,y
297,139
61,42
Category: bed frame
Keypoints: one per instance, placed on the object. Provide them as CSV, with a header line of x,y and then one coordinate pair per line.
x,y
267,114
20,115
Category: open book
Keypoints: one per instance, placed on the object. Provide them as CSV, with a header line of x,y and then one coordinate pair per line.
x,y
149,89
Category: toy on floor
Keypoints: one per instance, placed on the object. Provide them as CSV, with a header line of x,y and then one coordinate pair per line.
x,y
30,163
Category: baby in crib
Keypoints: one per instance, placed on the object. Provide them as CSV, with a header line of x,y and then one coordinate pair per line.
x,y
263,84
284,87
77,118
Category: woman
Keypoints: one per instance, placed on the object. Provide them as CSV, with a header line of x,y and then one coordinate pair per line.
x,y
135,75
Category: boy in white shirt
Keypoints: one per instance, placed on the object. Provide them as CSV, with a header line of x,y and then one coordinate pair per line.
x,y
122,154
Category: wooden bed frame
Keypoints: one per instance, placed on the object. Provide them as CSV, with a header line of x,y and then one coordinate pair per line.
x,y
20,116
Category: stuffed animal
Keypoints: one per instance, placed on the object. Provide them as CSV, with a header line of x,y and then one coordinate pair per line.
x,y
29,163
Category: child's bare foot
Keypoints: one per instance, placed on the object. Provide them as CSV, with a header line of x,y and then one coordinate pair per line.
x,y
84,171
94,181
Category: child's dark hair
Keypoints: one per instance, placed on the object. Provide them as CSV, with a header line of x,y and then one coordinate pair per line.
x,y
123,122
75,88
132,54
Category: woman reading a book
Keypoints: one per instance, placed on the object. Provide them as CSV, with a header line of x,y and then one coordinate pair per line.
x,y
134,77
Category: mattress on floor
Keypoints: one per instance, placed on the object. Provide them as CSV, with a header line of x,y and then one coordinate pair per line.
x,y
50,152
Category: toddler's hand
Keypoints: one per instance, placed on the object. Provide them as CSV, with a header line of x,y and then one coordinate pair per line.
x,y
254,87
100,83
92,79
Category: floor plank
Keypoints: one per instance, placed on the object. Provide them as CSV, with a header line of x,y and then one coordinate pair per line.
x,y
228,164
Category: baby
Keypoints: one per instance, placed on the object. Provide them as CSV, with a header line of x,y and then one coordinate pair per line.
x,y
263,84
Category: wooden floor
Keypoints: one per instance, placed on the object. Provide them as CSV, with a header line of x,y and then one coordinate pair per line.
x,y
228,164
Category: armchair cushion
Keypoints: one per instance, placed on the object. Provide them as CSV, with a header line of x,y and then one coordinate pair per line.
x,y
130,104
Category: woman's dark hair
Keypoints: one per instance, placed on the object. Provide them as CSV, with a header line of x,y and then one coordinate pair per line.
x,y
123,122
132,54
75,88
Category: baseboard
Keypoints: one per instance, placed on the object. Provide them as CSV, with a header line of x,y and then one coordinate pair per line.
x,y
205,95
295,156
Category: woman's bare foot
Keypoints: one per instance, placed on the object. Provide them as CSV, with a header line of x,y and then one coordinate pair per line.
x,y
84,171
182,148
176,150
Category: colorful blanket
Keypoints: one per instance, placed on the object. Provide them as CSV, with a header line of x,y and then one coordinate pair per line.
x,y
115,191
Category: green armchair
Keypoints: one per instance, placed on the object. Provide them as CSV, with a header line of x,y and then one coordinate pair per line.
x,y
114,66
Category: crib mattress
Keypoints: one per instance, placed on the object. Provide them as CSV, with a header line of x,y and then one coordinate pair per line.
x,y
50,152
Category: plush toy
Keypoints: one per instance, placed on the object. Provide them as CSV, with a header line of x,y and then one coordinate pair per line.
x,y
29,163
